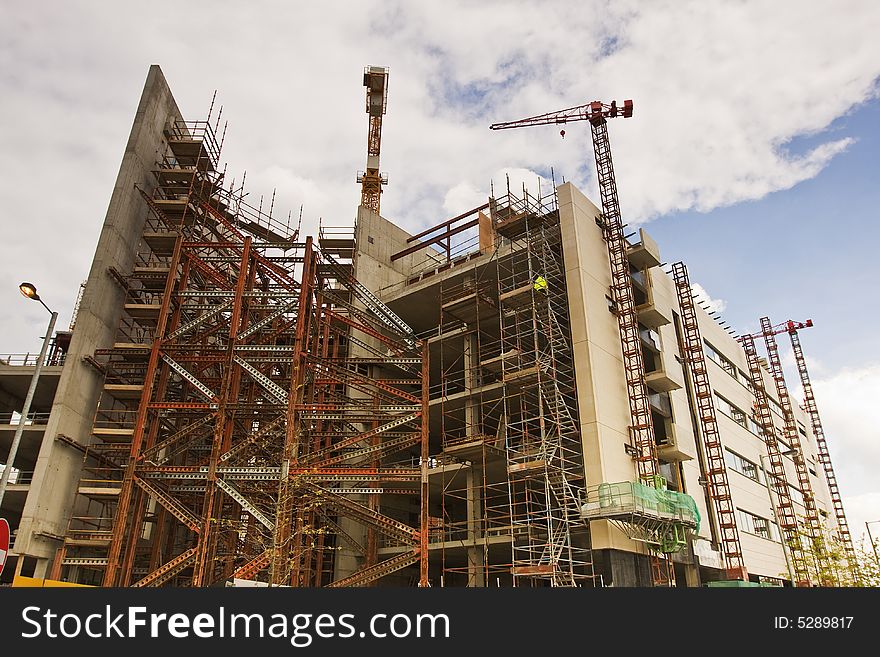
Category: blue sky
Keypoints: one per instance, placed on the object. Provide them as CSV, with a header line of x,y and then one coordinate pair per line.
x,y
809,251
752,153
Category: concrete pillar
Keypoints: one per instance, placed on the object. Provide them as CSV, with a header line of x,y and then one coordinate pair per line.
x,y
475,555
691,576
48,508
469,361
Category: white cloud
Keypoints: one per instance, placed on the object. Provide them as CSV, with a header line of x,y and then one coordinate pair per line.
x,y
700,294
721,89
859,510
462,198
847,402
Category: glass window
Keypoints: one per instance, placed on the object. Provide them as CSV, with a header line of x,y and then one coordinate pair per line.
x,y
762,527
742,465
752,524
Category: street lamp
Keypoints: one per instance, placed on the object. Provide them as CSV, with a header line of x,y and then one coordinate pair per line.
x,y
871,538
30,291
788,567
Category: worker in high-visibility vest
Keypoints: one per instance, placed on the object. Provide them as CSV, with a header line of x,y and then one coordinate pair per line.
x,y
540,283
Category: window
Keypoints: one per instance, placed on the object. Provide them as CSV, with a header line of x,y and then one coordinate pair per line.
x,y
762,526
752,524
732,411
742,465
729,367
721,360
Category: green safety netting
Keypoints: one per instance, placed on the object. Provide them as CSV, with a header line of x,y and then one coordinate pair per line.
x,y
651,501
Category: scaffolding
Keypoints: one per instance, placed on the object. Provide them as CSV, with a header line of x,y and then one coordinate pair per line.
x,y
717,484
473,525
550,542
262,412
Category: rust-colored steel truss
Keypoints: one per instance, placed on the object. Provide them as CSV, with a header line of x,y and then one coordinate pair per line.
x,y
813,525
262,410
822,444
815,528
788,523
717,482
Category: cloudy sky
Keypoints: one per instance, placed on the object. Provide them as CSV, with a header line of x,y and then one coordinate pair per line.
x,y
752,154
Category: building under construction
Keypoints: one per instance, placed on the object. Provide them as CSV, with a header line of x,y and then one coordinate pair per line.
x,y
517,396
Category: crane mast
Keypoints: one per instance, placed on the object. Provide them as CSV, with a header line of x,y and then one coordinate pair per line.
x,y
376,82
792,327
717,483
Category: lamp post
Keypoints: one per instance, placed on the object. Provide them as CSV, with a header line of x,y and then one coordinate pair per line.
x,y
776,516
30,291
871,538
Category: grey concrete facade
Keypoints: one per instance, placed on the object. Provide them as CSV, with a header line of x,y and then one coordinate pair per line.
x,y
56,474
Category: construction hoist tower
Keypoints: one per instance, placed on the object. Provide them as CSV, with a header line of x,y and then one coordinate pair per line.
x,y
717,483
376,82
779,481
664,538
811,513
792,329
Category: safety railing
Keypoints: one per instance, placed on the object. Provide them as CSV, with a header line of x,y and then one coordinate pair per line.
x,y
15,418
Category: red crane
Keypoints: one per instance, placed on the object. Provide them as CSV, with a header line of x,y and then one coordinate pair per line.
x,y
792,327
642,427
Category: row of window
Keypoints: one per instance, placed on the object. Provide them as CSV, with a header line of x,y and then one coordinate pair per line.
x,y
743,466
740,376
754,472
736,414
726,364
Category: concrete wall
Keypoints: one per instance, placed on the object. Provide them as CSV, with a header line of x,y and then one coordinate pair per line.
x,y
48,507
598,360
377,239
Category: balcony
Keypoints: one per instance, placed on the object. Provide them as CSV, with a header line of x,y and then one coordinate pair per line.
x,y
660,381
659,402
646,253
669,448
643,297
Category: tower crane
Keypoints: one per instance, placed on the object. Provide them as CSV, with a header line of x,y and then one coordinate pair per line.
x,y
597,113
792,327
376,82
642,426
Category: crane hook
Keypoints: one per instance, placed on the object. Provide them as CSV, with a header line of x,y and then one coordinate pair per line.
x,y
562,132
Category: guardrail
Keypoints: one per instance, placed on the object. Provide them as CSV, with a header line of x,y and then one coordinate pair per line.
x,y
19,477
15,418
30,360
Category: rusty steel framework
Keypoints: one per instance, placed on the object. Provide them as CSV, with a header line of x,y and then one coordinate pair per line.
x,y
376,82
788,523
812,523
792,329
717,483
263,412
